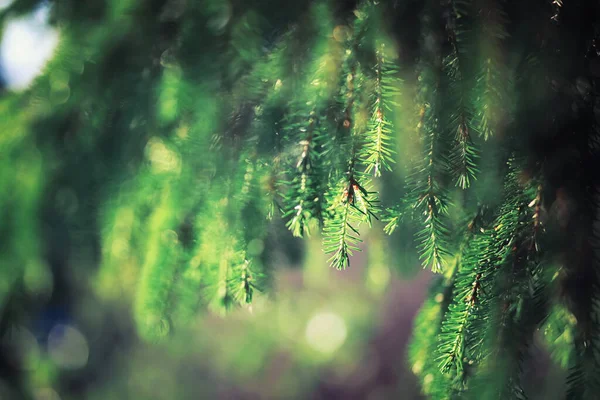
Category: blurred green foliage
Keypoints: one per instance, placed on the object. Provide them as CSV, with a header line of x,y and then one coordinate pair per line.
x,y
155,176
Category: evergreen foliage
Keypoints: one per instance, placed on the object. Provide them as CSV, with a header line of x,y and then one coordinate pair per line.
x,y
238,118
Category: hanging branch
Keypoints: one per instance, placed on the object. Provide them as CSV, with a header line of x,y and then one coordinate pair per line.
x,y
350,203
340,234
499,270
430,199
245,282
431,325
518,300
464,154
458,322
304,194
490,103
427,193
461,327
232,214
426,331
304,200
377,153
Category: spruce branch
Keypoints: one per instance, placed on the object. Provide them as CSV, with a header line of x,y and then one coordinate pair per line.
x,y
518,304
426,187
267,113
430,202
464,155
350,205
499,293
376,153
340,234
491,96
350,202
393,216
459,328
245,282
304,201
303,198
426,332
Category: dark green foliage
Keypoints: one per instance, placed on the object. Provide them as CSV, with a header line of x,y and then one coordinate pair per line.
x,y
491,76
461,119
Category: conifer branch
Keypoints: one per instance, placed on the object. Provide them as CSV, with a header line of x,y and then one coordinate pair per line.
x,y
491,97
431,202
445,343
426,331
460,328
395,215
455,329
340,234
376,153
304,194
426,190
498,271
519,301
464,154
304,201
245,282
268,114
350,203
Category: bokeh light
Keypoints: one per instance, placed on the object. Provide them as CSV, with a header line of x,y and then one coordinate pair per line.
x,y
27,44
67,347
326,332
